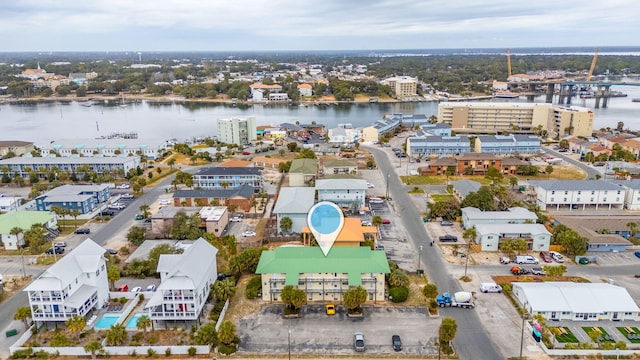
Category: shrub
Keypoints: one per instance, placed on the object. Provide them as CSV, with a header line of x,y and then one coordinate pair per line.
x,y
22,354
191,351
253,287
167,352
398,294
151,352
123,300
134,353
227,349
42,354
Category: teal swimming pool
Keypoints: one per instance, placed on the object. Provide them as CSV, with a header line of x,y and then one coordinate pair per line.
x,y
106,321
133,322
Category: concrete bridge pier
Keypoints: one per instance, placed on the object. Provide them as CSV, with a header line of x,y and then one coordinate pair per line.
x,y
549,94
603,92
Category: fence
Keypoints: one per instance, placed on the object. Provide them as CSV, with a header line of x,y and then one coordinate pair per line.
x,y
221,318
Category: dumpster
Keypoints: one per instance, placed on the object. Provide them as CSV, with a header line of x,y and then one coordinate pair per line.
x,y
10,333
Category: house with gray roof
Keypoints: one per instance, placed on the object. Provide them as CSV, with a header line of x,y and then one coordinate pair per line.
x,y
424,146
567,301
464,187
472,216
578,195
507,144
388,123
241,197
84,198
489,236
185,283
437,129
303,172
74,286
346,193
218,177
294,203
632,197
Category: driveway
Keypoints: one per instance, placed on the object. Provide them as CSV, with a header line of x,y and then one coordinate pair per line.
x,y
317,333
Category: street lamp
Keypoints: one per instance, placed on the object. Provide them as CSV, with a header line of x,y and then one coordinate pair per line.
x,y
290,344
388,175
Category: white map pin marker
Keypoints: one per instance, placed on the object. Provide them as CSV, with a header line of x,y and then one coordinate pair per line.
x,y
325,220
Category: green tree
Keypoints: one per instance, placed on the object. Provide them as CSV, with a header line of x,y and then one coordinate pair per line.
x,y
573,243
143,323
286,224
113,275
224,289
430,291
92,348
447,333
75,324
633,228
23,313
144,209
448,209
513,181
171,162
376,220
548,170
116,335
556,271
494,175
293,297
74,214
355,297
227,332
397,278
207,335
483,199
136,235
186,227
514,246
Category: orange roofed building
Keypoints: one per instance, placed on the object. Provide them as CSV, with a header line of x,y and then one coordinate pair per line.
x,y
352,234
235,163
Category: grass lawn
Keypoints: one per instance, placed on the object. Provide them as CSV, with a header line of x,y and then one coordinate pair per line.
x,y
564,337
416,190
440,197
626,334
602,332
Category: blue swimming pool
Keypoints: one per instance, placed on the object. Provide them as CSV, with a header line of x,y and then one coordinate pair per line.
x,y
133,322
106,321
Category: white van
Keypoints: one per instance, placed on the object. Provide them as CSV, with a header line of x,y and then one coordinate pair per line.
x,y
525,259
490,287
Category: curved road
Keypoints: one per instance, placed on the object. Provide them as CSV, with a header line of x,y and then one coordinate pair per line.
x,y
591,172
471,341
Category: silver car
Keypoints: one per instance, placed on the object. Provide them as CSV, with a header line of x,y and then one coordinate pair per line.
x,y
358,341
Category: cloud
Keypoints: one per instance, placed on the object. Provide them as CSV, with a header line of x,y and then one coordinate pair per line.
x,y
261,25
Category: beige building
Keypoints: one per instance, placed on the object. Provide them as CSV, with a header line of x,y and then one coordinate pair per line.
x,y
303,172
490,117
402,85
19,148
340,166
370,133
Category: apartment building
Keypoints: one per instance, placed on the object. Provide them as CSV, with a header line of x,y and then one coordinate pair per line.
x,y
18,148
496,117
578,195
323,278
472,216
507,144
402,85
117,166
151,149
74,286
346,193
185,283
490,236
84,198
239,131
425,146
211,178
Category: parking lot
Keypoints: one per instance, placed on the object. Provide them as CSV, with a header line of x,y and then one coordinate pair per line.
x,y
314,332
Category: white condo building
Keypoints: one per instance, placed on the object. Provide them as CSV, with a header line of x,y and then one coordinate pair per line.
x,y
75,285
238,131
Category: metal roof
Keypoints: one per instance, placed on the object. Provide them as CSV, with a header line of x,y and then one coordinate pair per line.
x,y
465,187
295,200
229,171
573,185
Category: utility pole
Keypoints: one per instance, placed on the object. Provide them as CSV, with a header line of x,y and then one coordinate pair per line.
x,y
419,258
290,345
24,274
388,175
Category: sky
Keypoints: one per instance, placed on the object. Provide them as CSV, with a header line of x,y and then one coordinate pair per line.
x,y
271,25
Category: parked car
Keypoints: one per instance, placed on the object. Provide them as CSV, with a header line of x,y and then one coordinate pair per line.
x,y
139,217
56,249
448,238
490,287
127,196
136,289
151,288
61,244
107,213
584,261
545,256
112,251
117,206
637,254
370,185
330,309
358,341
557,256
525,259
446,223
235,219
375,201
249,233
123,186
366,223
82,231
396,342
165,202
537,270
386,221
504,260
123,288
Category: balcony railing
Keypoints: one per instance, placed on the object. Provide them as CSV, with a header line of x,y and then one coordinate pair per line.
x,y
186,315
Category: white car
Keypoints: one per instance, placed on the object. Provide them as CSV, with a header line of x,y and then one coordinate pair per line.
x,y
151,287
123,186
127,196
235,219
557,256
117,206
249,233
136,289
370,185
375,201
61,244
165,202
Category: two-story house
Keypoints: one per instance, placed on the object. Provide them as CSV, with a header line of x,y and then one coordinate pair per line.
x,y
294,203
346,193
340,167
211,178
185,283
578,195
76,285
303,172
24,220
489,236
632,197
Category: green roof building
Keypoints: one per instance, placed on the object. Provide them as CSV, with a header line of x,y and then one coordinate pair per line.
x,y
323,278
24,220
303,172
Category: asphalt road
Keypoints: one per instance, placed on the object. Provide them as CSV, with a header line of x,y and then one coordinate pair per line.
x,y
472,341
591,172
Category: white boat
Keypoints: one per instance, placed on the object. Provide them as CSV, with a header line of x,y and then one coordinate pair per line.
x,y
123,104
506,94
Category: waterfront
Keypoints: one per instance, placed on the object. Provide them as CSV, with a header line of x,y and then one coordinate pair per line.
x,y
43,122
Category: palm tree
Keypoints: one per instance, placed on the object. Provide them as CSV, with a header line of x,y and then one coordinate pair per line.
x,y
92,348
23,313
376,221
227,332
225,185
143,323
633,228
113,275
144,209
76,324
171,162
469,235
224,289
75,213
116,335
286,224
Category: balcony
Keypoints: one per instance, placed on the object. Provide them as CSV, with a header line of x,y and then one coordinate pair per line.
x,y
183,315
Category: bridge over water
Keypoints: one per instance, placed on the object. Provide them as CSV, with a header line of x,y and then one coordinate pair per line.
x,y
567,89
